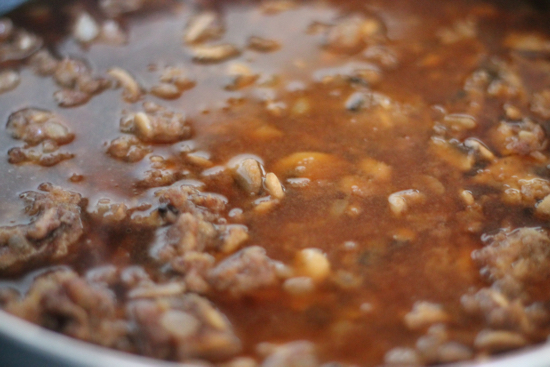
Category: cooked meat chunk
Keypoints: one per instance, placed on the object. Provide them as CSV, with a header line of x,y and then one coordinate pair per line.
x,y
181,328
35,126
197,226
64,302
187,199
193,233
55,227
502,312
156,125
195,267
77,83
521,138
43,132
158,177
244,272
127,148
44,154
523,255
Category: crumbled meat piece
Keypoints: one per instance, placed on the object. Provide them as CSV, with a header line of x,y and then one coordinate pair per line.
x,y
196,226
34,126
523,255
195,266
43,132
158,177
520,138
295,354
435,347
497,79
181,328
192,233
157,125
534,189
187,199
517,184
128,149
501,312
110,212
244,272
45,154
55,226
197,231
64,302
232,238
77,75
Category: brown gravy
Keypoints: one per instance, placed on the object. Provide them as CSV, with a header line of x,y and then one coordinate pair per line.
x,y
406,135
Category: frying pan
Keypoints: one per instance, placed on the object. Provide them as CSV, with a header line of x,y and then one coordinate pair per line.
x,y
8,5
23,344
